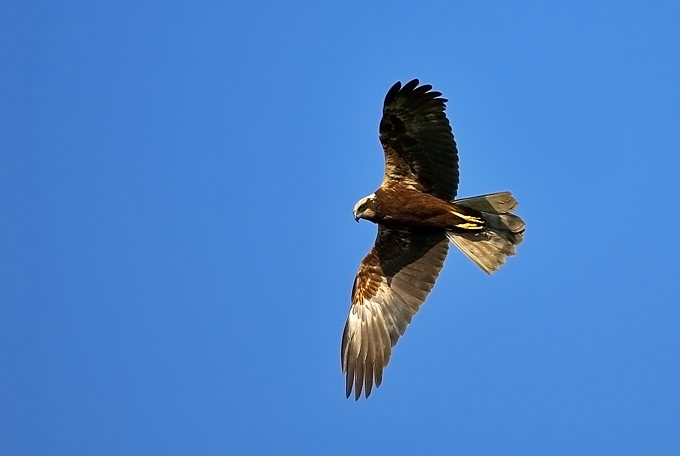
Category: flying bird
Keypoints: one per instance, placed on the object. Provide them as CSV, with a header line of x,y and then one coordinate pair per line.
x,y
417,216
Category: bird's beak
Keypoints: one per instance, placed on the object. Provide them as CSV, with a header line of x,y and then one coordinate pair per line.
x,y
356,218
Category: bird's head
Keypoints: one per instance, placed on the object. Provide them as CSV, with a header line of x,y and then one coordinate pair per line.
x,y
365,209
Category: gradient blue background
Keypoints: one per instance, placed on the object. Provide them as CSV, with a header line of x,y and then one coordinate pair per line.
x,y
177,247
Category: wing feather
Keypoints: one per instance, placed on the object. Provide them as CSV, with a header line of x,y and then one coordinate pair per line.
x,y
420,151
369,360
392,283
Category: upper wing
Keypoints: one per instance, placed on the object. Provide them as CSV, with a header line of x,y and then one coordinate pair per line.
x,y
393,281
416,136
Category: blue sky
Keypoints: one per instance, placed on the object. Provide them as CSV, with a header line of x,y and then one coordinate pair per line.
x,y
177,246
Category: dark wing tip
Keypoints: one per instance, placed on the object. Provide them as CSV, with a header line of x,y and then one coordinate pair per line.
x,y
409,87
412,87
392,92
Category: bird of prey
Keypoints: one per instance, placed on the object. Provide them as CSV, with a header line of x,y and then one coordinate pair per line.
x,y
417,216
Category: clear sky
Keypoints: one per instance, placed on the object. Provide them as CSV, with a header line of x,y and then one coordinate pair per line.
x,y
177,246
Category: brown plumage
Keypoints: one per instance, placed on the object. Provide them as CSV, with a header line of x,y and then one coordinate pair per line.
x,y
417,217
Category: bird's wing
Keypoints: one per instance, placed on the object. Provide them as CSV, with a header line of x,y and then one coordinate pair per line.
x,y
420,151
393,281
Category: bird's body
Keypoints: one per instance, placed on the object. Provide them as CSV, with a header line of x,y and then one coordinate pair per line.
x,y
417,216
408,208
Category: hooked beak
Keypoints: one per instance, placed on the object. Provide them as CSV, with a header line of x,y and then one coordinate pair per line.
x,y
356,218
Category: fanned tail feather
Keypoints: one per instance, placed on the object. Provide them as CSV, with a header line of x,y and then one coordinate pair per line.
x,y
503,231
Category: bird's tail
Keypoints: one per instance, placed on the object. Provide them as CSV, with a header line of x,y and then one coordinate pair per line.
x,y
502,231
